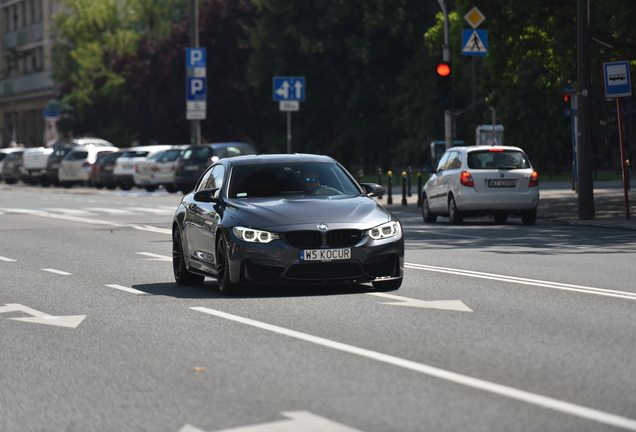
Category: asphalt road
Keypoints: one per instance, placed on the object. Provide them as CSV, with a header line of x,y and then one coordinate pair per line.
x,y
496,328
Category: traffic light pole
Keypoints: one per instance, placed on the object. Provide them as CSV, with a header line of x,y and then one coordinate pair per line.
x,y
448,117
195,125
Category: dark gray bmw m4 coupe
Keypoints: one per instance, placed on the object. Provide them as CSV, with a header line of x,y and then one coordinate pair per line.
x,y
288,219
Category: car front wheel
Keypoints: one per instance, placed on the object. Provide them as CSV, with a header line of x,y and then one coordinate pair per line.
x,y
426,212
181,274
226,287
454,215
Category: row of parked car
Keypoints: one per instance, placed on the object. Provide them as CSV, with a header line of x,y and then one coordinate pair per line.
x,y
98,163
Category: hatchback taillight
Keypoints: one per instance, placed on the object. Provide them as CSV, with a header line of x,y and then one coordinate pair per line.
x,y
534,179
86,164
466,179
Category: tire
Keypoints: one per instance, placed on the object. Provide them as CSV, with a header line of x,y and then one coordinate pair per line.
x,y
529,217
111,186
426,213
181,274
171,189
66,185
501,218
388,285
125,186
226,287
454,216
150,188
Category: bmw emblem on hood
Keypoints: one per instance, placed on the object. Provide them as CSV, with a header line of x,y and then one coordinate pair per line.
x,y
323,226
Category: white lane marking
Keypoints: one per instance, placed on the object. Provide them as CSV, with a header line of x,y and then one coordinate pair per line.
x,y
524,281
71,212
618,236
299,421
499,389
60,272
152,229
123,288
111,211
6,259
156,210
155,257
456,305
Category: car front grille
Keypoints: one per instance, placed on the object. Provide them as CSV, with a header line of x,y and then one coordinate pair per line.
x,y
334,238
324,270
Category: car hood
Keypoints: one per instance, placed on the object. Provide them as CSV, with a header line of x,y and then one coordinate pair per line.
x,y
304,213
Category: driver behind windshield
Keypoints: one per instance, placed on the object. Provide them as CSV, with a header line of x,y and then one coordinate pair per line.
x,y
310,181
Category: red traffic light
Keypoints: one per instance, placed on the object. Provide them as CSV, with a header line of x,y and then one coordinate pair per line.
x,y
566,98
443,69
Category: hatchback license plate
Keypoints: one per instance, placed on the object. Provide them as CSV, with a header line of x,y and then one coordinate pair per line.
x,y
325,254
502,183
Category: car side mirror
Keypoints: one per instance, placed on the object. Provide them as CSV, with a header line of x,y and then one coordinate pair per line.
x,y
207,195
373,189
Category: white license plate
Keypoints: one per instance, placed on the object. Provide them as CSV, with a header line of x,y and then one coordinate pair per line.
x,y
325,254
502,183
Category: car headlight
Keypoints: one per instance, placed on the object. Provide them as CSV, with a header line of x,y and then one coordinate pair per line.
x,y
254,235
386,230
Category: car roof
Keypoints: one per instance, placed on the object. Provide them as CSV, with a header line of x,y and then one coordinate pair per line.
x,y
10,149
220,145
276,158
483,147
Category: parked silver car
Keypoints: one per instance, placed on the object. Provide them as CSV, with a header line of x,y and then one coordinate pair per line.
x,y
496,181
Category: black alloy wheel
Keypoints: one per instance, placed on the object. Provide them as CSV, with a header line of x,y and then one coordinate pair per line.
x,y
226,287
181,274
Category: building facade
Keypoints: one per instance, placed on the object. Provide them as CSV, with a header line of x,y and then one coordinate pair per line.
x,y
26,85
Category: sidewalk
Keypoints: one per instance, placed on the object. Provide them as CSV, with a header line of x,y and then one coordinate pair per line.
x,y
558,203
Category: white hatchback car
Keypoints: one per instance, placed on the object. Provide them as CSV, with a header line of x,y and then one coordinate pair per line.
x,y
75,168
125,164
158,170
496,181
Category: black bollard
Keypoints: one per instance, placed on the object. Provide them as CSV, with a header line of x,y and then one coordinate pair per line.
x,y
408,187
380,179
404,188
419,189
389,177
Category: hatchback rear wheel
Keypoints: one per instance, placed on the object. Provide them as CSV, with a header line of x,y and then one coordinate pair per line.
x,y
426,212
454,215
529,217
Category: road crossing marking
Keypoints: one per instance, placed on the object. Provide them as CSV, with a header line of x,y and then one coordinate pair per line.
x,y
465,380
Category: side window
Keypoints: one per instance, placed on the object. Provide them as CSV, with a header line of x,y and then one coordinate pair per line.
x,y
215,178
204,180
442,162
454,161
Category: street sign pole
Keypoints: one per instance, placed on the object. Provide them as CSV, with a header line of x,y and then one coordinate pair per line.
x,y
288,92
289,132
619,109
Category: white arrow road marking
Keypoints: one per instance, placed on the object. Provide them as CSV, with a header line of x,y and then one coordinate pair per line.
x,y
71,321
123,288
155,257
456,305
299,421
6,259
501,390
524,281
60,272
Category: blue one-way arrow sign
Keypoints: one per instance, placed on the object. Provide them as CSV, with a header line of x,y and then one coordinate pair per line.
x,y
289,89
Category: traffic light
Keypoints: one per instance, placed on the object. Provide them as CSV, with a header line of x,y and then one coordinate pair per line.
x,y
444,85
566,101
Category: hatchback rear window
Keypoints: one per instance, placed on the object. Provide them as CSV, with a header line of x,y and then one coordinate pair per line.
x,y
77,155
489,159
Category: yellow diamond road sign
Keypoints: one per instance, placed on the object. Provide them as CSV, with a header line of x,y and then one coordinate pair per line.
x,y
474,17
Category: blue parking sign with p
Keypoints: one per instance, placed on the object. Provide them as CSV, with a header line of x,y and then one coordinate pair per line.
x,y
196,89
195,57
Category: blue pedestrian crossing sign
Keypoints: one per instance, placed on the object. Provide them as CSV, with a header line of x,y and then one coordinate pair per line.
x,y
616,78
288,88
475,42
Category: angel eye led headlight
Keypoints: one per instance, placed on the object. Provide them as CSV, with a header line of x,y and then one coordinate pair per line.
x,y
253,235
386,230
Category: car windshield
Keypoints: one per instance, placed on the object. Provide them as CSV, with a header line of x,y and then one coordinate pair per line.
x,y
166,155
291,179
135,153
498,158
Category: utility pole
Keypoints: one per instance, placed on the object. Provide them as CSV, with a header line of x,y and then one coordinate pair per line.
x,y
448,118
195,125
585,183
